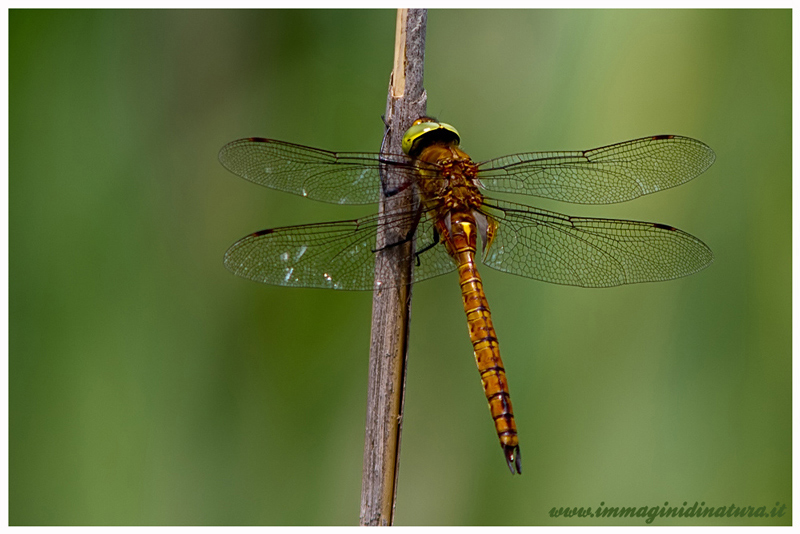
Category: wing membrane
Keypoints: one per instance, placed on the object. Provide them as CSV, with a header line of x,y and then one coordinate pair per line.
x,y
589,252
336,255
604,175
339,178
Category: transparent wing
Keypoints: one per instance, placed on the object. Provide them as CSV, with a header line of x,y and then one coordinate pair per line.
x,y
339,178
336,255
588,252
604,175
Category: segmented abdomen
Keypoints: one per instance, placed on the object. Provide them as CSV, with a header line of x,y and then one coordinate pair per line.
x,y
462,246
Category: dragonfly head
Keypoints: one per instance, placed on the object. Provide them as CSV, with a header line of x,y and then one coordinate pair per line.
x,y
426,131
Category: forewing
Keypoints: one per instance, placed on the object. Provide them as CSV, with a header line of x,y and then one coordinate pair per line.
x,y
588,252
336,255
604,175
339,178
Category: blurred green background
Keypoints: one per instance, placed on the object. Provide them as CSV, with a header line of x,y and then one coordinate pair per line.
x,y
148,385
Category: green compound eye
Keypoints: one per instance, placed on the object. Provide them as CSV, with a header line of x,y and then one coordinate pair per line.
x,y
428,130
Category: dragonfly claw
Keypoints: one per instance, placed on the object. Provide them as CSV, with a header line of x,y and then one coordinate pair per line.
x,y
513,458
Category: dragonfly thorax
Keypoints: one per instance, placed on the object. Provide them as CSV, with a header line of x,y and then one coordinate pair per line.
x,y
448,179
448,185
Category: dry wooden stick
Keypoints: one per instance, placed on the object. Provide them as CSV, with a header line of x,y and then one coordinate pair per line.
x,y
391,306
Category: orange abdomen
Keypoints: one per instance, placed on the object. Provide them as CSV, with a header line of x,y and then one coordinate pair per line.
x,y
461,244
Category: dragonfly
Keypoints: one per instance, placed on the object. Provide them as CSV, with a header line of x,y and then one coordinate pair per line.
x,y
451,222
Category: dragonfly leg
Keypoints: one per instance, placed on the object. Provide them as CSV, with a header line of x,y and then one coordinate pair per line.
x,y
409,235
435,242
406,239
385,133
394,190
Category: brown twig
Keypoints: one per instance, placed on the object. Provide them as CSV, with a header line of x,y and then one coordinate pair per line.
x,y
391,306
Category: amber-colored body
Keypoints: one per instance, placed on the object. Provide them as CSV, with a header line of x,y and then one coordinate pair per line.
x,y
452,196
